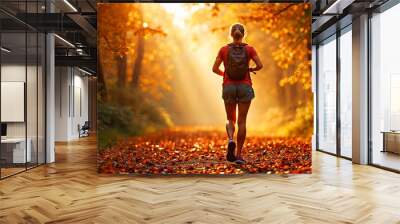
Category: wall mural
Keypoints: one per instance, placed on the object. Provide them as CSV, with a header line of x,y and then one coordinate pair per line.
x,y
204,88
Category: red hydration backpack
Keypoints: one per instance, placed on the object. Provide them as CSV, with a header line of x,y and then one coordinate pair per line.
x,y
238,61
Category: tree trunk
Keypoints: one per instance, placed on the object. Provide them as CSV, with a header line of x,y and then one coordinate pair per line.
x,y
137,66
102,84
121,63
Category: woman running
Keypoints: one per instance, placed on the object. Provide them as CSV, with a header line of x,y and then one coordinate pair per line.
x,y
237,90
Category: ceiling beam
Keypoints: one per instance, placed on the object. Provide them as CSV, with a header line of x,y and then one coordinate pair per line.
x,y
79,61
337,7
86,26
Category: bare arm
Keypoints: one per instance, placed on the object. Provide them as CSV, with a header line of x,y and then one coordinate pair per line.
x,y
216,65
259,65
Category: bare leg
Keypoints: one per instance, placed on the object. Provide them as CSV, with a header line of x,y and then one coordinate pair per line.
x,y
241,135
230,109
230,130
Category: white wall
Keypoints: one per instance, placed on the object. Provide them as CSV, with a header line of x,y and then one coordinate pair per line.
x,y
33,127
71,102
81,96
62,82
12,73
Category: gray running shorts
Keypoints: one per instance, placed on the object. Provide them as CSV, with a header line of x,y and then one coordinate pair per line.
x,y
237,93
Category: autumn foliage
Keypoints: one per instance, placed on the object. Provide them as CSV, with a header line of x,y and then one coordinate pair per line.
x,y
284,31
155,75
203,152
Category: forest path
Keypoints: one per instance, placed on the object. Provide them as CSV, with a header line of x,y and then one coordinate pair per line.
x,y
192,151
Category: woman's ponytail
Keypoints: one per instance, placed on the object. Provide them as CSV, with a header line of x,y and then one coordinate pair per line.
x,y
237,31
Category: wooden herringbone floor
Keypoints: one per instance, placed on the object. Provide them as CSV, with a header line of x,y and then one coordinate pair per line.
x,y
71,191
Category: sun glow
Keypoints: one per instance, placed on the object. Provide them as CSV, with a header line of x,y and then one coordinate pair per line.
x,y
181,12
